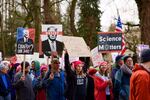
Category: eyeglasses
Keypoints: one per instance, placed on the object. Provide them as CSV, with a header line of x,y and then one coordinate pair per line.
x,y
56,62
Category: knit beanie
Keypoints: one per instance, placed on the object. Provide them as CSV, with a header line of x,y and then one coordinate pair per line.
x,y
26,64
43,67
118,58
76,63
145,56
126,57
103,63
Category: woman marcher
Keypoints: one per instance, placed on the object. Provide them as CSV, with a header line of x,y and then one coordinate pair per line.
x,y
41,90
102,83
5,83
79,85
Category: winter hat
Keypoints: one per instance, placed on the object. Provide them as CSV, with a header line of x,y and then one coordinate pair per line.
x,y
126,57
26,64
76,63
103,63
145,56
118,58
43,67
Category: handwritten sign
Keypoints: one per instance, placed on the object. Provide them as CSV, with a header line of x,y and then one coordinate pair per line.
x,y
96,56
76,46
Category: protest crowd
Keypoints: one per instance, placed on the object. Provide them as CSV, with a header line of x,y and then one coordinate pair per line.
x,y
122,80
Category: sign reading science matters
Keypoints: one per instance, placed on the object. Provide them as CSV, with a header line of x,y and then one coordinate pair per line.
x,y
109,42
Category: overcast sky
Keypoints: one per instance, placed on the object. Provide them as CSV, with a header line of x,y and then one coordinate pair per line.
x,y
127,10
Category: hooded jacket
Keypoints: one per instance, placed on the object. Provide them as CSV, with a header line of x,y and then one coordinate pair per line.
x,y
36,70
140,84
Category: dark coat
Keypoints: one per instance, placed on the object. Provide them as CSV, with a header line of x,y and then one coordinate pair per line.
x,y
24,90
71,79
46,47
3,90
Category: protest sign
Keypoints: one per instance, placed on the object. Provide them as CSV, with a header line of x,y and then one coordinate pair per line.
x,y
50,40
141,47
96,56
76,46
1,57
25,41
109,42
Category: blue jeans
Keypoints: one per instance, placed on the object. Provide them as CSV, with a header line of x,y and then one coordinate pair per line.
x,y
8,97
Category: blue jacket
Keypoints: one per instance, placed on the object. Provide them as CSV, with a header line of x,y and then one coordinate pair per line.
x,y
55,88
3,90
122,83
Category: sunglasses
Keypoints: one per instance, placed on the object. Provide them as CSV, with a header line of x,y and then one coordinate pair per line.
x,y
56,62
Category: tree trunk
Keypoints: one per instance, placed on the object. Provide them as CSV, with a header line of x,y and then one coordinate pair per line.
x,y
144,16
72,17
37,22
49,19
2,30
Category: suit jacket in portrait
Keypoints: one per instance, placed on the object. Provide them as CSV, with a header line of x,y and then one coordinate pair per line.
x,y
46,49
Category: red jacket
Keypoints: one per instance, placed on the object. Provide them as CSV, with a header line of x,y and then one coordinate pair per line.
x,y
100,87
140,84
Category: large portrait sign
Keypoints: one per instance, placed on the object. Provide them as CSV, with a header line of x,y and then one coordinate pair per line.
x,y
25,41
109,42
51,40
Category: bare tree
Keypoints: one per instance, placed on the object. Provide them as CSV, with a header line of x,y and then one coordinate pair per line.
x,y
144,16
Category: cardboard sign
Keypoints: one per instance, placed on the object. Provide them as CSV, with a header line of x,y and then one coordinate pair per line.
x,y
25,41
76,46
1,57
109,42
96,57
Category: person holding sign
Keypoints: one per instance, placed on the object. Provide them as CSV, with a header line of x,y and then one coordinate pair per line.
x,y
51,44
55,81
80,85
23,84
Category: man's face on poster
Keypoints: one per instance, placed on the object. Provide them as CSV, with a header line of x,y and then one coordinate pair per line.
x,y
52,33
26,33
